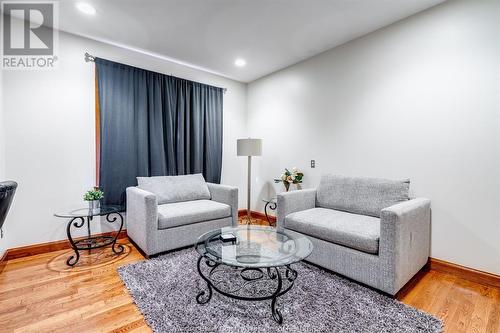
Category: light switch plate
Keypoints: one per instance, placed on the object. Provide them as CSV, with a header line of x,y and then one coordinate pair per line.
x,y
313,164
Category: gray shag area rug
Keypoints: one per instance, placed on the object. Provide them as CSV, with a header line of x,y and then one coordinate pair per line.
x,y
165,289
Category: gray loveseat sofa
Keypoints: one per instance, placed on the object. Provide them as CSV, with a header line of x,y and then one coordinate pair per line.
x,y
363,228
170,212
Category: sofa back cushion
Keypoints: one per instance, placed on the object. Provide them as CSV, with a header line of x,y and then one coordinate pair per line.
x,y
366,196
170,189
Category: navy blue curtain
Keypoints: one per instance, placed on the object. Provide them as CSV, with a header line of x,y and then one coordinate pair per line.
x,y
153,124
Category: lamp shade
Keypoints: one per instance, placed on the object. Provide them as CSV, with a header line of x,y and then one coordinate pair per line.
x,y
249,147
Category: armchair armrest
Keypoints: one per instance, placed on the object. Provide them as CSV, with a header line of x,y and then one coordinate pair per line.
x,y
227,195
405,237
142,216
291,202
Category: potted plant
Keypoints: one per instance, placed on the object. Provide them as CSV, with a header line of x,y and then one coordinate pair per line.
x,y
290,177
93,197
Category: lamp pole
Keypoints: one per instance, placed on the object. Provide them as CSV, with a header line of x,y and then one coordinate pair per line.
x,y
249,147
249,189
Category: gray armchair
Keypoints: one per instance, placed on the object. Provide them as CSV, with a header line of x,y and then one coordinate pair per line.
x,y
366,229
170,212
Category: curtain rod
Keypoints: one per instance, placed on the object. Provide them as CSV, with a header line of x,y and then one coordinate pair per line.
x,y
91,58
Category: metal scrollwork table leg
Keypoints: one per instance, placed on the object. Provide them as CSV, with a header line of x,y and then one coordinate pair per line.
x,y
275,274
92,242
272,206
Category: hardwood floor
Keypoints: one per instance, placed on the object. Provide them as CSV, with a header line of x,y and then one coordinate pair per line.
x,y
41,294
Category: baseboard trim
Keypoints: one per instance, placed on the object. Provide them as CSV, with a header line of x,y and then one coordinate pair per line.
x,y
438,265
3,261
30,250
257,215
466,273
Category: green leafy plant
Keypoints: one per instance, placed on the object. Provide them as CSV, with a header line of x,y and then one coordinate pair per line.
x,y
95,194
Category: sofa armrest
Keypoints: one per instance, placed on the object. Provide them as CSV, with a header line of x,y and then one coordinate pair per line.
x,y
405,238
142,216
291,202
228,195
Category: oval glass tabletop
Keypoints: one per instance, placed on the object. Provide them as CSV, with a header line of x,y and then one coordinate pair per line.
x,y
86,212
253,246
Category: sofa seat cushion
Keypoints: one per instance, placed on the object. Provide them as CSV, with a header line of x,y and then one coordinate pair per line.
x,y
359,232
181,213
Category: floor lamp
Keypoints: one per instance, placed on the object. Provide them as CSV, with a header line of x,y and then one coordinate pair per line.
x,y
249,147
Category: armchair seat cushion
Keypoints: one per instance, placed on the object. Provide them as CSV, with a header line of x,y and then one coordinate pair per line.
x,y
359,232
172,215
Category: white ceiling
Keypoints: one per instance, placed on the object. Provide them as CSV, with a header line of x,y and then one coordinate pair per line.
x,y
211,34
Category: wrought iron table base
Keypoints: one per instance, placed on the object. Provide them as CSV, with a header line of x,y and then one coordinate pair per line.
x,y
282,277
91,242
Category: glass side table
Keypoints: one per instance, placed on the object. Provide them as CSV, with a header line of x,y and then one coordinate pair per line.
x,y
78,217
272,205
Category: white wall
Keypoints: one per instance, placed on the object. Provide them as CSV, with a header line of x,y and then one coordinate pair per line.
x,y
49,119
3,242
2,132
418,99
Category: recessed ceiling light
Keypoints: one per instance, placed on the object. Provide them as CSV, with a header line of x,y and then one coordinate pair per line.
x,y
240,62
85,8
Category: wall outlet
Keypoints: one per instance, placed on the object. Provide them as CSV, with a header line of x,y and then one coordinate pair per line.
x,y
313,164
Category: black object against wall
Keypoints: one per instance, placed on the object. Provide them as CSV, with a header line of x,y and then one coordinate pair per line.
x,y
153,124
7,191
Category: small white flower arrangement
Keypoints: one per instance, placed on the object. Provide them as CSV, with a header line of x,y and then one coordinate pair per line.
x,y
290,177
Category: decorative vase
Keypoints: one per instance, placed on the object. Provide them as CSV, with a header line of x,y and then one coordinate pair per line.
x,y
287,185
94,204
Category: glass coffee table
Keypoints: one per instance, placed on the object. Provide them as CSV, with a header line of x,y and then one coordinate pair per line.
x,y
251,263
